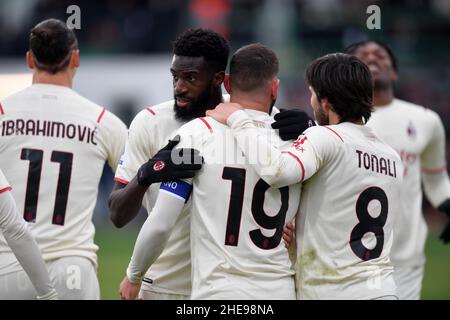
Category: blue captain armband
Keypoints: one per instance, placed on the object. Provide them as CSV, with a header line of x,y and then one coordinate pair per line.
x,y
179,189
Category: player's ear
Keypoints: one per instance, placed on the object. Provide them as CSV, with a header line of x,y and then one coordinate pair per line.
x,y
274,87
75,59
226,83
326,105
30,61
394,75
218,78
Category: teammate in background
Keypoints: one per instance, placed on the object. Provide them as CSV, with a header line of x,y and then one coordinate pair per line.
x,y
351,184
53,146
24,247
198,70
417,134
236,219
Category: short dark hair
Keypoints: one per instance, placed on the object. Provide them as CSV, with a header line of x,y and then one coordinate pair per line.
x,y
252,66
346,82
206,43
51,43
351,49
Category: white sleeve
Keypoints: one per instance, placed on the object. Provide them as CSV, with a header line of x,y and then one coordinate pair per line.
x,y
19,239
139,147
156,230
434,167
276,167
116,135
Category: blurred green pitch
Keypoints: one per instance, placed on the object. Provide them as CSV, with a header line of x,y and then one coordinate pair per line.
x,y
116,247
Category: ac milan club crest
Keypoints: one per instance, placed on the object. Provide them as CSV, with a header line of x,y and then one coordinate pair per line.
x,y
159,165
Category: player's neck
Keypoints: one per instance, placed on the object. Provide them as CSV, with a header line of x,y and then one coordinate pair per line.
x,y
59,79
383,97
250,103
334,118
215,99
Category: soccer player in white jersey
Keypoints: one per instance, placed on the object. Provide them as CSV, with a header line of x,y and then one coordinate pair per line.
x,y
351,184
53,146
198,70
237,220
24,247
418,135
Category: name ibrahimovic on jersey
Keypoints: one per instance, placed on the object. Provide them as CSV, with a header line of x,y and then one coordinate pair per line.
x,y
48,129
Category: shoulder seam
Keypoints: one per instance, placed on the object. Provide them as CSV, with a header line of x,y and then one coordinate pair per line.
x,y
299,161
101,115
335,133
206,124
149,109
8,188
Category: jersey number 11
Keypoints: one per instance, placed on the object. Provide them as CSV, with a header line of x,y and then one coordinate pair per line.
x,y
35,157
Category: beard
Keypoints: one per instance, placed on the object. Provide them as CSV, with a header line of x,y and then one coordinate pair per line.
x,y
381,85
196,109
382,82
321,117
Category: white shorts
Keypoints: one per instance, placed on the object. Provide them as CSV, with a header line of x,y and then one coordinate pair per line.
x,y
74,278
409,282
148,292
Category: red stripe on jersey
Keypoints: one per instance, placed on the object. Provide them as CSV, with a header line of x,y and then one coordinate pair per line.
x,y
101,115
207,124
335,133
121,180
299,161
5,189
1,109
151,111
436,170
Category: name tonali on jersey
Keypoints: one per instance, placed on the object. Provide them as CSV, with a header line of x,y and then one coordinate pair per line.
x,y
376,164
46,128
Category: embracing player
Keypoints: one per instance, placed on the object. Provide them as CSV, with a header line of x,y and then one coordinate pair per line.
x,y
237,220
198,70
351,182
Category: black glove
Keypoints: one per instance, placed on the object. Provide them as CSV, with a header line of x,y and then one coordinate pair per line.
x,y
292,123
168,164
445,207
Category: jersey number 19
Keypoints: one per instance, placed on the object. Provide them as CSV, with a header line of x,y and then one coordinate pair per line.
x,y
237,177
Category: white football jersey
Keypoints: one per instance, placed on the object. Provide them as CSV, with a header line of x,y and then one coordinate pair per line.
x,y
53,146
4,184
344,230
150,131
417,134
348,208
237,220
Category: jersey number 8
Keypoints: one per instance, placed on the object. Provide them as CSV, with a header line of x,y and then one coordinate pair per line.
x,y
369,224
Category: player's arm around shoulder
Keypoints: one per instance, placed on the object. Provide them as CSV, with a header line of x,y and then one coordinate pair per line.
x,y
312,150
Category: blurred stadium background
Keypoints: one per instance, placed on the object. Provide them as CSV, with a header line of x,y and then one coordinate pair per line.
x,y
125,56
